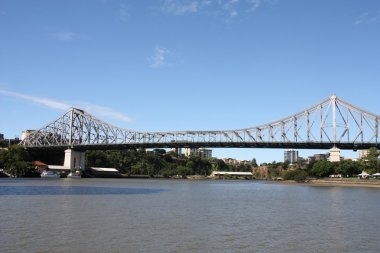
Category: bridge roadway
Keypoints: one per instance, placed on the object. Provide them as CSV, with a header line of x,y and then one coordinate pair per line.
x,y
280,145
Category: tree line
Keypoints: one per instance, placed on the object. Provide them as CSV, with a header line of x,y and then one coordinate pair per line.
x,y
20,163
17,161
158,162
320,169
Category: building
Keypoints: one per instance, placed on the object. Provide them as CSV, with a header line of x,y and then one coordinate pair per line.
x,y
178,151
104,172
201,152
205,153
1,137
291,156
231,173
319,157
332,156
190,151
235,162
363,153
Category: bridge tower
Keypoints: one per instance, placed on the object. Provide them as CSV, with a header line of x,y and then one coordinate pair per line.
x,y
334,151
74,159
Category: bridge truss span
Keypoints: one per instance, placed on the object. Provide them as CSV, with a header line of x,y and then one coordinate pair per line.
x,y
332,122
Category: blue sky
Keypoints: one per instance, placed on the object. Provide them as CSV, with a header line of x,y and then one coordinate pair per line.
x,y
185,64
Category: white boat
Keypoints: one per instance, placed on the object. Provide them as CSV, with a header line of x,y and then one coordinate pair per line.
x,y
75,174
50,174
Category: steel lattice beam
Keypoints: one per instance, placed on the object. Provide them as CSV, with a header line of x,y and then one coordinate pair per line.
x,y
332,122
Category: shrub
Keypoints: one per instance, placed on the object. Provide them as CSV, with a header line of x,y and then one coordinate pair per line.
x,y
297,175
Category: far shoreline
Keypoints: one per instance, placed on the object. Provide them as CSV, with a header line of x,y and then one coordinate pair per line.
x,y
333,183
323,182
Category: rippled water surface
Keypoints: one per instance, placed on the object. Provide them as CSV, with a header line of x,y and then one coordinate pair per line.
x,y
126,215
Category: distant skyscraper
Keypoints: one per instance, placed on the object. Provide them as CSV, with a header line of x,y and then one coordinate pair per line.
x,y
205,153
201,152
190,151
178,151
291,156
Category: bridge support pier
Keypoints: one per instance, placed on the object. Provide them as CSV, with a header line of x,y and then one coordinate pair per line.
x,y
178,151
74,159
334,155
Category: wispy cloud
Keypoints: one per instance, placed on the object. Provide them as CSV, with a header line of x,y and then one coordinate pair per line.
x,y
230,7
105,112
367,18
180,7
65,36
227,8
255,4
55,104
159,57
123,12
50,103
233,13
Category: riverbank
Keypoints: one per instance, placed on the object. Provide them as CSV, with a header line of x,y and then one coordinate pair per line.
x,y
343,182
329,182
350,182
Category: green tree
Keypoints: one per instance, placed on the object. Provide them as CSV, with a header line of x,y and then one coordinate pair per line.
x,y
16,161
159,151
97,158
285,165
347,168
373,159
221,165
4,143
139,162
254,163
296,175
184,171
322,169
199,166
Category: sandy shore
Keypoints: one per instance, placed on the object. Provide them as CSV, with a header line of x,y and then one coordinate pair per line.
x,y
344,182
337,182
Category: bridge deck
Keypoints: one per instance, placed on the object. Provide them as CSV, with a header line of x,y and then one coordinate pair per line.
x,y
279,145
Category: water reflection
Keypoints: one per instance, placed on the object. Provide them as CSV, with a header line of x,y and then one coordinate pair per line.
x,y
73,190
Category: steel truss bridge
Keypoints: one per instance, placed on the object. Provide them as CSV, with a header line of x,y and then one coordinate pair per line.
x,y
331,123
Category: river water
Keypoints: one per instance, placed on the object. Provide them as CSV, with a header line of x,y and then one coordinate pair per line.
x,y
132,215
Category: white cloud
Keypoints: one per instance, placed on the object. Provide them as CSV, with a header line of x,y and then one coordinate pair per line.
x,y
159,57
65,36
178,7
55,104
367,18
